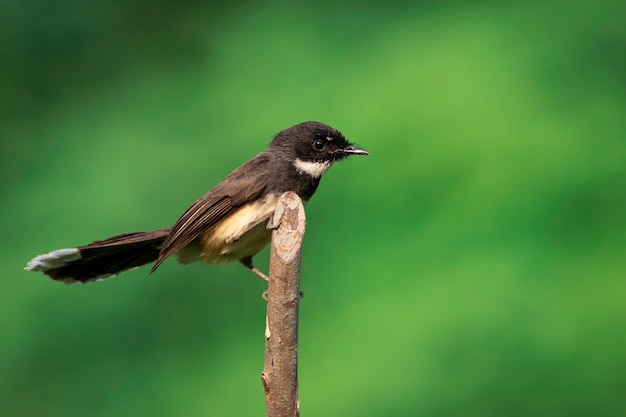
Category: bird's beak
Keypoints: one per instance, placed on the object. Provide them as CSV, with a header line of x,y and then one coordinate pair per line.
x,y
353,150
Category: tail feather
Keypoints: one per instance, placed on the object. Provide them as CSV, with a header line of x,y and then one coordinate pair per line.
x,y
100,259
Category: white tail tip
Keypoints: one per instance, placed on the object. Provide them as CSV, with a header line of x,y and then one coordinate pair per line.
x,y
52,260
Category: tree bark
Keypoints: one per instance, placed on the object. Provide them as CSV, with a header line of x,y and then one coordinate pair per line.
x,y
280,371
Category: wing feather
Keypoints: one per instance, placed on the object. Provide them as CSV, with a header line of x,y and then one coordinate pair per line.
x,y
241,186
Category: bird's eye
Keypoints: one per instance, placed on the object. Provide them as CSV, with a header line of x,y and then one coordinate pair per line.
x,y
319,144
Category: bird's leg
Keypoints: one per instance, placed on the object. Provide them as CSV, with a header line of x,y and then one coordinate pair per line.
x,y
247,262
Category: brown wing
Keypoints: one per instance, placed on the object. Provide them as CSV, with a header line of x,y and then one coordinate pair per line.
x,y
241,186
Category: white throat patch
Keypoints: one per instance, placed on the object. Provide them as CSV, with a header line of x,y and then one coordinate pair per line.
x,y
313,169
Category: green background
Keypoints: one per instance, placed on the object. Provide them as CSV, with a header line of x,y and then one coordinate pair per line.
x,y
472,265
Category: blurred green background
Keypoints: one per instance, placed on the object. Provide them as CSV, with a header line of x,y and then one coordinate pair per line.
x,y
473,265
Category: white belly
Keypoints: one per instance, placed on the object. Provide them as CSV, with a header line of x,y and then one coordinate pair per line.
x,y
240,235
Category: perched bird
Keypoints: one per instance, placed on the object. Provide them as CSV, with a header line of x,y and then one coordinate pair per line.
x,y
228,223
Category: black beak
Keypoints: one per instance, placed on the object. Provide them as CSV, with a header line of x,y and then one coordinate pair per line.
x,y
353,150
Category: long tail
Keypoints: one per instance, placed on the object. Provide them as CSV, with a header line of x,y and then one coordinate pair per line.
x,y
100,259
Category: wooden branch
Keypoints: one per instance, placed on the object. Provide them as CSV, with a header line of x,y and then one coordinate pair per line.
x,y
280,371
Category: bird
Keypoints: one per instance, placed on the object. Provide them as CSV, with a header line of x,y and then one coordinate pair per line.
x,y
227,224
